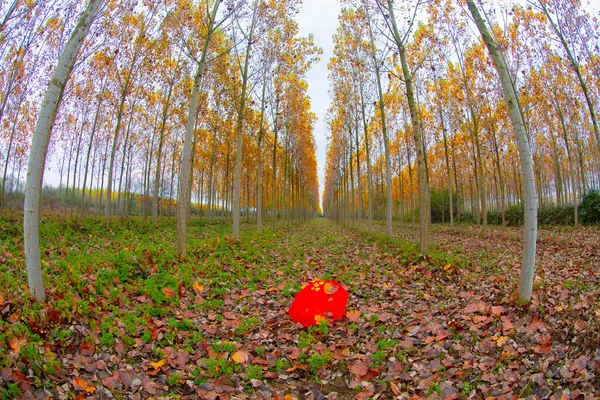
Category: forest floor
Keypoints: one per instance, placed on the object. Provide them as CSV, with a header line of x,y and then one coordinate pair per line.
x,y
127,318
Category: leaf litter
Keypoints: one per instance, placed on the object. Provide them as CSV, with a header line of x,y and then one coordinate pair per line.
x,y
132,320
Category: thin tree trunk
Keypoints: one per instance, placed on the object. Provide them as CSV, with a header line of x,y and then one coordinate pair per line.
x,y
425,213
530,198
358,180
588,99
39,147
368,157
237,185
161,137
183,192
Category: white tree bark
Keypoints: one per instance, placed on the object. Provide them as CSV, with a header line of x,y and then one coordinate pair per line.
x,y
237,183
530,194
39,148
183,193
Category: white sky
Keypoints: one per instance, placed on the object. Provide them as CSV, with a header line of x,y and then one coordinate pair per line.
x,y
319,17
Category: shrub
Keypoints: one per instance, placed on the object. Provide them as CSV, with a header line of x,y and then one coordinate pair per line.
x,y
440,205
556,215
515,216
589,210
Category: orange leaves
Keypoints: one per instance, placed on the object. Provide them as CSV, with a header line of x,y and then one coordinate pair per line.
x,y
158,364
353,315
81,385
170,293
16,344
240,356
198,288
330,288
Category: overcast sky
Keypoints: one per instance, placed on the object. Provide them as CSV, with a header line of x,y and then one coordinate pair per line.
x,y
319,17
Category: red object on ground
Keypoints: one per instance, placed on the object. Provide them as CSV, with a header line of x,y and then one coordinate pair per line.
x,y
317,299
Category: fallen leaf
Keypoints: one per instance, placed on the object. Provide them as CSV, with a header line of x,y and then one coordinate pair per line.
x,y
353,315
80,384
168,292
447,267
17,343
198,288
478,306
542,348
158,364
498,310
240,356
535,325
360,369
330,288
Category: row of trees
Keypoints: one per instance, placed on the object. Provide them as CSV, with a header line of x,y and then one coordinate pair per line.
x,y
195,101
418,103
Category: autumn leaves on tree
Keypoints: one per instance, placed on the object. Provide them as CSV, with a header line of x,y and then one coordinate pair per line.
x,y
170,106
488,116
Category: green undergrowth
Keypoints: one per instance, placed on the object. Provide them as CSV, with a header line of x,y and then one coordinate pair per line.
x,y
124,307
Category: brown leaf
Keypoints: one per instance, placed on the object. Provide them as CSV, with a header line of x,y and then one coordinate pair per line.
x,y
80,384
498,310
477,306
507,324
240,356
150,386
535,325
542,348
170,293
360,369
353,315
395,389
293,353
113,381
87,348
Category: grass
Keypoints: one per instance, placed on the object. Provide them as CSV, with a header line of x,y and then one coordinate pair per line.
x,y
122,297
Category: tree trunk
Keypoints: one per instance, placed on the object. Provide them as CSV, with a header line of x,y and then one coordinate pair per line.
x,y
161,137
237,186
530,198
183,192
39,148
368,158
358,181
89,151
589,101
424,213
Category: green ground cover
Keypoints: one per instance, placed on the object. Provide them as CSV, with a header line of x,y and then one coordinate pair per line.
x,y
129,318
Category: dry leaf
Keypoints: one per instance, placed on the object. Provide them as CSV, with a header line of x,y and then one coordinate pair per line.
x,y
81,385
168,292
535,325
353,315
16,344
158,364
330,288
360,369
240,356
198,288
